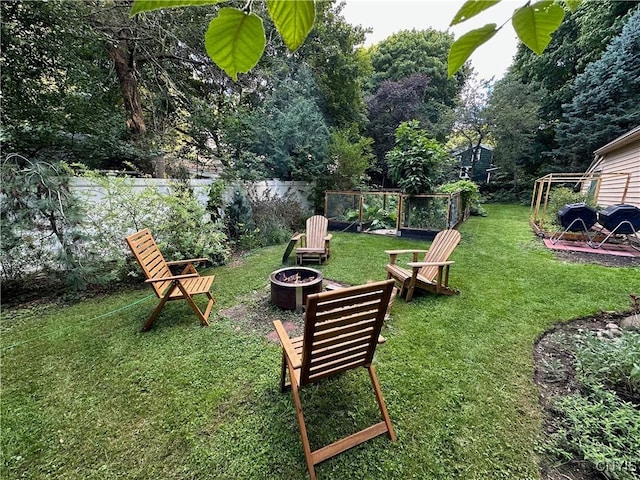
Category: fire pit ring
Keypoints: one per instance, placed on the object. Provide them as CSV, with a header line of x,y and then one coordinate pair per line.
x,y
290,286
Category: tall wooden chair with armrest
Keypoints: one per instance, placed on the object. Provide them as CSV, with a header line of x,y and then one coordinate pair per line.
x,y
166,285
432,273
315,243
340,333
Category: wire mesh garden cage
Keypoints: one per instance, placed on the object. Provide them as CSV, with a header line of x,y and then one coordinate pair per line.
x,y
393,213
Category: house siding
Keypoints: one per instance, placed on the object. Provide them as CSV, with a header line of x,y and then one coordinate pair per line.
x,y
625,159
478,169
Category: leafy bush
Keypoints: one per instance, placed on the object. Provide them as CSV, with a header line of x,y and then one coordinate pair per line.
x,y
375,211
177,221
612,364
81,237
276,217
416,163
215,204
254,220
469,193
558,198
186,231
350,156
40,221
380,218
601,430
506,192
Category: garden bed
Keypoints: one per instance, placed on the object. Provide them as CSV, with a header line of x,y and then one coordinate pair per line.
x,y
556,378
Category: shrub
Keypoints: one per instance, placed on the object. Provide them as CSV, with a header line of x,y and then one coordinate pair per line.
x,y
558,198
416,163
611,364
276,217
215,204
506,192
238,219
186,231
601,430
40,221
177,221
469,193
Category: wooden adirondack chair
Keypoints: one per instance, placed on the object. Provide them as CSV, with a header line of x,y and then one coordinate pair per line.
x,y
340,333
432,273
166,285
315,243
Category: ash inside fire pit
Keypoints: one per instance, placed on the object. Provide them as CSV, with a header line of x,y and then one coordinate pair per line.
x,y
294,278
291,286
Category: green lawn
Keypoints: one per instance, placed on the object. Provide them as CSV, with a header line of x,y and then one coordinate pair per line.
x,y
85,395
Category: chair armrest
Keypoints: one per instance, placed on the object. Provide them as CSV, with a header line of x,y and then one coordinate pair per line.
x,y
398,252
296,237
190,260
287,346
170,279
393,254
429,264
328,237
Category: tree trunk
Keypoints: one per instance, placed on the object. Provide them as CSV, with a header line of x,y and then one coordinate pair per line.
x,y
123,63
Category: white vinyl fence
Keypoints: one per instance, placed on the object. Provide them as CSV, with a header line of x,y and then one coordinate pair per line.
x,y
296,189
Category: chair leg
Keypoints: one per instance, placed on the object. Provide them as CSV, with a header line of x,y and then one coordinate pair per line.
x,y
400,288
303,428
409,293
156,311
210,304
189,298
284,386
381,404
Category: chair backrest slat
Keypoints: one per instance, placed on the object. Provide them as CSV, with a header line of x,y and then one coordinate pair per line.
x,y
148,255
341,329
338,349
316,231
340,319
335,362
443,245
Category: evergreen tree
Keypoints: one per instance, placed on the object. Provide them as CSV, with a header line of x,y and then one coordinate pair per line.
x,y
285,136
606,99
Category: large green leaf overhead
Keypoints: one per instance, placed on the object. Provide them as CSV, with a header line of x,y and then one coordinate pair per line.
x,y
535,23
235,41
470,9
293,19
148,5
573,4
462,48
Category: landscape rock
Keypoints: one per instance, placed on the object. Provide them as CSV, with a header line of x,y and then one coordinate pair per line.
x,y
632,321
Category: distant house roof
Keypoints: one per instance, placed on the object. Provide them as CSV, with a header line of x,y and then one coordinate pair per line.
x,y
461,150
623,140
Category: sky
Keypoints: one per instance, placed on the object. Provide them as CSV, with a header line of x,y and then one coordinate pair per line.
x,y
386,17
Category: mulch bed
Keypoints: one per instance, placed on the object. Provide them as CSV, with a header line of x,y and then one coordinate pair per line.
x,y
555,376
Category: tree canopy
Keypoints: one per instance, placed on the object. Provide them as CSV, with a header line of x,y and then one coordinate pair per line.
x,y
552,80
417,163
409,82
84,81
57,96
512,120
605,99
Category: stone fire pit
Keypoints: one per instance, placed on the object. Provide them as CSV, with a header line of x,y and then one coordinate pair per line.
x,y
290,286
